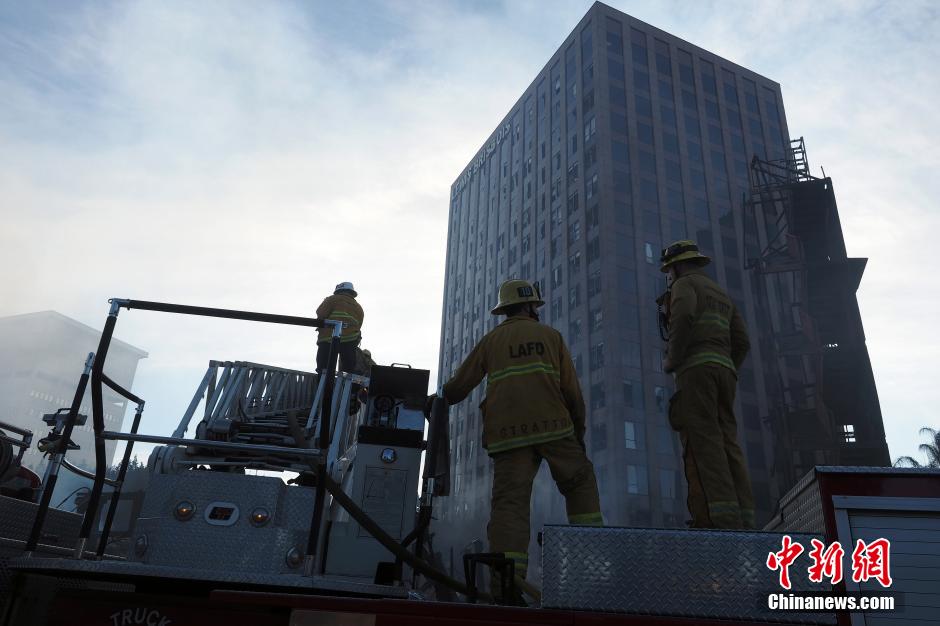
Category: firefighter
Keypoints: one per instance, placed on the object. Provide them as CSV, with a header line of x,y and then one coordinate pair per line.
x,y
341,306
707,342
533,410
366,362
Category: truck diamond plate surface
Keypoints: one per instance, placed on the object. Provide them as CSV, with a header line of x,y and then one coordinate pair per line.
x,y
700,573
236,547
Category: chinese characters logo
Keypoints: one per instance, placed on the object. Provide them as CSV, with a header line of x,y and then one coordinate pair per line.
x,y
870,561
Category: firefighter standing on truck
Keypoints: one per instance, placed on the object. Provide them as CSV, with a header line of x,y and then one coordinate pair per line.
x,y
707,344
533,410
341,306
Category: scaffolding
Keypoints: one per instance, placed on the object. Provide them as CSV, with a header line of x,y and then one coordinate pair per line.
x,y
811,330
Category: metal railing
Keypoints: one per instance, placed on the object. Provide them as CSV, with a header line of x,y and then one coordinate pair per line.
x,y
267,389
263,388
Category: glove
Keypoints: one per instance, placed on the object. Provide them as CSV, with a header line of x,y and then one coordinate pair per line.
x,y
428,403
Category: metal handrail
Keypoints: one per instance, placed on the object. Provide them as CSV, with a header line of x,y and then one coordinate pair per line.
x,y
94,373
315,458
78,471
210,444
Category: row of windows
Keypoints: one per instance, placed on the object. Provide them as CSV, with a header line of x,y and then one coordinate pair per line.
x,y
626,281
649,191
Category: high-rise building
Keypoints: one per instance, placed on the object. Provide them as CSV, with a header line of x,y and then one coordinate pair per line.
x,y
42,356
629,138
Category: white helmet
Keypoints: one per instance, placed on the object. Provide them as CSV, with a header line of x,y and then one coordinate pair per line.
x,y
347,286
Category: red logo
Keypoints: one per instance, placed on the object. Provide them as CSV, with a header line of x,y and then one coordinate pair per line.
x,y
869,561
783,559
826,563
872,561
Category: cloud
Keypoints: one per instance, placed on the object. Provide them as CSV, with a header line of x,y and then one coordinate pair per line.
x,y
252,156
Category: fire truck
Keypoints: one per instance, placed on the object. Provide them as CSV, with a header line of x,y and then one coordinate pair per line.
x,y
211,532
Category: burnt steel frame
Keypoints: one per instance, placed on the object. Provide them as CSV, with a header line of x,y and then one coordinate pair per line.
x,y
779,263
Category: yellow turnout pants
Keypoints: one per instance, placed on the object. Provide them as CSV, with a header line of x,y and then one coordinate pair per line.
x,y
513,473
702,411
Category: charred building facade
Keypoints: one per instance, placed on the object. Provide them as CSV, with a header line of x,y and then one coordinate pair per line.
x,y
630,138
823,404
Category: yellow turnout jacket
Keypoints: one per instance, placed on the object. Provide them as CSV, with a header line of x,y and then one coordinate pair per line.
x,y
704,325
343,308
532,393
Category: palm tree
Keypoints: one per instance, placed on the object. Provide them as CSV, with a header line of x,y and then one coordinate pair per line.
x,y
932,450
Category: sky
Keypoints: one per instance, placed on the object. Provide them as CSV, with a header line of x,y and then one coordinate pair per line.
x,y
251,155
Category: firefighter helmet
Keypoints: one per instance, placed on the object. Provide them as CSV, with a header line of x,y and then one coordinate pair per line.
x,y
347,286
517,292
367,353
682,250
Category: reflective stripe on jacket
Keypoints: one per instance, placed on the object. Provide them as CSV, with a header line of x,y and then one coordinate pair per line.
x,y
343,308
704,325
532,393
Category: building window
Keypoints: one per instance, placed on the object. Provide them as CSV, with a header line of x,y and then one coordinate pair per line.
x,y
556,277
574,232
594,249
590,128
574,263
588,104
556,309
597,320
638,46
594,284
574,330
578,369
618,123
598,396
648,251
659,394
593,216
632,394
629,435
636,480
663,65
848,433
597,356
574,297
573,173
667,483
556,217
590,156
591,187
598,437
673,175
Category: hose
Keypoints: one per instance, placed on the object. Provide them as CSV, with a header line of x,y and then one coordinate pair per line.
x,y
393,546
